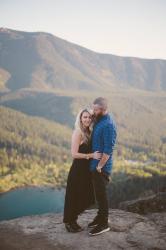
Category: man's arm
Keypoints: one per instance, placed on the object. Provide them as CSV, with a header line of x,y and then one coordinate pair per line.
x,y
102,162
109,137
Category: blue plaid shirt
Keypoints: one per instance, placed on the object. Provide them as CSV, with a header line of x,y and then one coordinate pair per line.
x,y
103,140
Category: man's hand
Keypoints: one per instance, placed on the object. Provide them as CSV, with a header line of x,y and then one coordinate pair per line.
x,y
102,162
98,168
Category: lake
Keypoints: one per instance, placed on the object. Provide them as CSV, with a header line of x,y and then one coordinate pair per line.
x,y
31,200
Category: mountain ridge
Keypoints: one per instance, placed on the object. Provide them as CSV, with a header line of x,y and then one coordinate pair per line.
x,y
3,29
47,62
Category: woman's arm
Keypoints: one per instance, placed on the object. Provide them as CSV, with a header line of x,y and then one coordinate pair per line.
x,y
75,142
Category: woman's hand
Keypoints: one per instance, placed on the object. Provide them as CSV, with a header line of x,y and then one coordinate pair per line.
x,y
97,155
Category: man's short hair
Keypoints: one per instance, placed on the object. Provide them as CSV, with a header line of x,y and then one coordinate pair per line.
x,y
101,101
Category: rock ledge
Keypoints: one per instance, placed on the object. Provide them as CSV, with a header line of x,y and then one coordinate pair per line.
x,y
47,232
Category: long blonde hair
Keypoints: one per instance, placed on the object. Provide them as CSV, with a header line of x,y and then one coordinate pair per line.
x,y
86,133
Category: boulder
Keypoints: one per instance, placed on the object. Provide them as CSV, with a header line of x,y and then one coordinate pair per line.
x,y
145,205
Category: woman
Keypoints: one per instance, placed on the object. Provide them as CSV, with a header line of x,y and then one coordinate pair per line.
x,y
79,191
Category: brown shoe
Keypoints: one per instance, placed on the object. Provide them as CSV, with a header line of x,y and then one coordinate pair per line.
x,y
73,227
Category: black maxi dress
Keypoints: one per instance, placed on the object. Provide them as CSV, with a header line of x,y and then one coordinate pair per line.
x,y
79,190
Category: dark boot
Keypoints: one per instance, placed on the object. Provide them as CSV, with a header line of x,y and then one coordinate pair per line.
x,y
73,227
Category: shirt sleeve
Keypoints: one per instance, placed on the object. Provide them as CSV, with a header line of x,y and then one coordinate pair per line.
x,y
109,138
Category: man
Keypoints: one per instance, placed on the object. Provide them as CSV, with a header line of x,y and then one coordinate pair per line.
x,y
103,140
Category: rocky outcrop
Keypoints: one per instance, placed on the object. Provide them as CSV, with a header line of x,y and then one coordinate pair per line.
x,y
129,231
150,204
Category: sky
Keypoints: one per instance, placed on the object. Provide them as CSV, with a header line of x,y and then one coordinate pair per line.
x,y
121,27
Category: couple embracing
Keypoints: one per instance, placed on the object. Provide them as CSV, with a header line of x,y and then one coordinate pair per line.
x,y
92,145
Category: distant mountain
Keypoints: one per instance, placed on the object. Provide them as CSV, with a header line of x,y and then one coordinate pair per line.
x,y
42,61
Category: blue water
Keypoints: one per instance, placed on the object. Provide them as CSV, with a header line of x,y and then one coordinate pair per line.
x,y
31,200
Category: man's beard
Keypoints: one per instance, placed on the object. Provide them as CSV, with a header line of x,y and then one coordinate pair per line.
x,y
98,117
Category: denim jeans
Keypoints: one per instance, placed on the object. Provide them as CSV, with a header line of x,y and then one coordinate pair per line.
x,y
100,184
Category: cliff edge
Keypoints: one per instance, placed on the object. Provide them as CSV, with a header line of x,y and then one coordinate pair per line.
x,y
129,231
